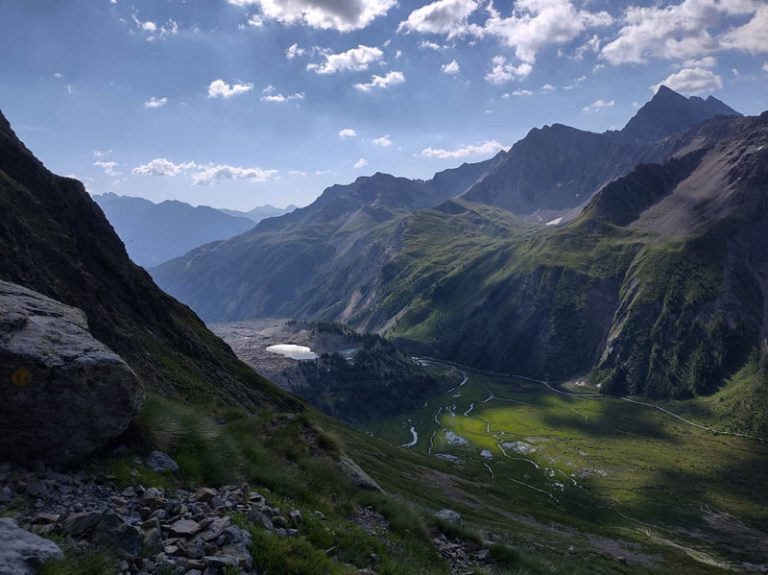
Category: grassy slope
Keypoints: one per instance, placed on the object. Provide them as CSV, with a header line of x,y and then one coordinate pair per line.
x,y
607,469
558,295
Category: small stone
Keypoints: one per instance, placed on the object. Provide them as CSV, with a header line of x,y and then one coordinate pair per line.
x,y
296,517
45,518
204,494
449,515
160,462
78,524
185,528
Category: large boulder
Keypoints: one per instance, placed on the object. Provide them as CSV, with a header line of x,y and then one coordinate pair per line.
x,y
63,394
22,552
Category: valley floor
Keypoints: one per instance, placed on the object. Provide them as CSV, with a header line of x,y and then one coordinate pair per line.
x,y
559,468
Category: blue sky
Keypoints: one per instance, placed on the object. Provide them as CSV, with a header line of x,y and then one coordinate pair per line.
x,y
237,103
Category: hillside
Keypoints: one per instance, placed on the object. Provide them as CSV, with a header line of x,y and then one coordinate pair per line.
x,y
155,233
658,286
321,260
55,240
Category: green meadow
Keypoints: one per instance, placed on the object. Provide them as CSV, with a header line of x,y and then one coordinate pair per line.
x,y
624,481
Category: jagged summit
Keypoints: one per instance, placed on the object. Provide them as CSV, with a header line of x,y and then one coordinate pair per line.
x,y
669,112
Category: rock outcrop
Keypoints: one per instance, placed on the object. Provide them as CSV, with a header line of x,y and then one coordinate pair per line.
x,y
63,394
22,552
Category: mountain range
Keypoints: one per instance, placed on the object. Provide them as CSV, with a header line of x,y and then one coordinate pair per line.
x,y
633,286
155,233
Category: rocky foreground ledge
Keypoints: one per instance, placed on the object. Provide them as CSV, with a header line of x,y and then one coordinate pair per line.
x,y
152,530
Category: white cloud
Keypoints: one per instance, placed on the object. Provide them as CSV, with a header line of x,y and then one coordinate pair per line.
x,y
110,168
361,163
752,36
382,82
548,88
270,94
293,51
536,24
451,68
203,174
255,21
162,167
213,173
384,141
685,30
220,89
101,153
598,105
356,59
429,45
519,93
154,103
765,67
341,15
503,72
487,148
58,75
152,31
692,81
448,17
347,133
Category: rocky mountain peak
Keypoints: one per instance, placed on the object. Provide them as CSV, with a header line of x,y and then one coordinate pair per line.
x,y
669,112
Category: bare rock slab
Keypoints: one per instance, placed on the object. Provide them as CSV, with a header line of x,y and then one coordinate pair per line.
x,y
63,394
22,552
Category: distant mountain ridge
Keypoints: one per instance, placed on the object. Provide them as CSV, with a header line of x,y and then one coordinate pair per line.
x,y
557,169
155,233
329,259
260,212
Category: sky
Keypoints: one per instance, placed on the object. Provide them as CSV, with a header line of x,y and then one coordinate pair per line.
x,y
239,103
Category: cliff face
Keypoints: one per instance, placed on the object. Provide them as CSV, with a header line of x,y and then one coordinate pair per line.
x,y
55,240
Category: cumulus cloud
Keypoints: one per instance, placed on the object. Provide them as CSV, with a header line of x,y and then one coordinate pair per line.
x,y
598,105
162,167
450,17
487,148
347,133
429,45
356,59
360,164
384,141
382,82
220,89
451,68
692,81
270,94
685,30
293,51
503,71
536,24
341,15
203,174
752,36
765,67
152,31
213,173
110,168
518,93
154,103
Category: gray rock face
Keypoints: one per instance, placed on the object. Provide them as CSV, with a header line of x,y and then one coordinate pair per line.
x,y
63,394
22,552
